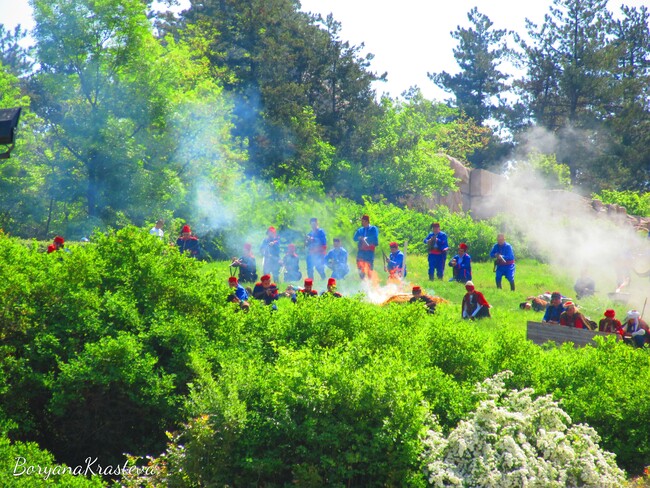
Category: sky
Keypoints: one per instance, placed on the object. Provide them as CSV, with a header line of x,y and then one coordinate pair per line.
x,y
408,38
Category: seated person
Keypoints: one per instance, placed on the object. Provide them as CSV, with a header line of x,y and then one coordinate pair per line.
x,y
554,309
337,260
308,290
266,291
461,264
331,289
635,330
247,265
291,264
475,306
418,296
585,286
240,295
609,323
572,318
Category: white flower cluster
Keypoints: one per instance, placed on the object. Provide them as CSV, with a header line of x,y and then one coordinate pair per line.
x,y
513,440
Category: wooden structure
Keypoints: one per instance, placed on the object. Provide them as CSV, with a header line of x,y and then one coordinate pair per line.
x,y
541,333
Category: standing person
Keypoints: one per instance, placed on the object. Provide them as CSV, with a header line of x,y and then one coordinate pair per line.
x,y
247,265
475,306
331,289
57,245
395,263
367,239
462,265
609,323
572,318
270,251
188,242
504,261
436,241
337,260
635,329
291,264
157,230
554,309
316,247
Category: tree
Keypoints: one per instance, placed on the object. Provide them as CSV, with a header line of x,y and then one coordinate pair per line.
x,y
479,85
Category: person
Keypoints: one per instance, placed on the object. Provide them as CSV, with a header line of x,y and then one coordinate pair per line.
x,y
609,323
239,295
571,317
537,304
436,241
266,291
418,296
337,261
367,239
461,264
291,264
395,263
475,306
270,251
57,245
554,309
188,242
308,289
247,265
157,229
584,286
504,261
316,246
331,289
635,329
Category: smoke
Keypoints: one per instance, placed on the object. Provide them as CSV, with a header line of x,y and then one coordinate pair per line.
x,y
566,229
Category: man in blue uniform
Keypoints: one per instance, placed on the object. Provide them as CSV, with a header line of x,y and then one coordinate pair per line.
x,y
239,295
436,241
504,261
395,263
337,261
316,247
188,242
247,265
270,251
462,265
554,309
367,239
291,264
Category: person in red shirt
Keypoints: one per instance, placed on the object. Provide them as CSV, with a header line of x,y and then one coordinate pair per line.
x,y
475,306
58,244
609,323
572,318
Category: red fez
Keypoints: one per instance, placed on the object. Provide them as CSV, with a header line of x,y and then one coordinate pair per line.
x,y
232,279
568,304
610,313
271,229
266,277
463,246
59,240
365,217
309,281
331,282
186,228
416,288
51,248
393,244
435,224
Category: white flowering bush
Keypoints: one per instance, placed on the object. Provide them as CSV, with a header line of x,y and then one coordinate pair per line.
x,y
513,440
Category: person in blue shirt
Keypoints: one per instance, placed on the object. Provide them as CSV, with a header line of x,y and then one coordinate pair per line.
x,y
240,295
367,239
291,264
436,241
462,265
270,251
554,309
395,263
316,247
504,261
337,261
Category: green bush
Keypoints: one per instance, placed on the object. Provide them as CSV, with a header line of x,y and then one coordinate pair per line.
x,y
634,202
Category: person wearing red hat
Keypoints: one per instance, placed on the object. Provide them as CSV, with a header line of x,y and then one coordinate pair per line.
x,y
270,251
395,263
475,306
609,323
337,260
418,296
461,264
57,245
240,295
436,241
266,291
308,289
188,243
331,289
572,318
504,263
367,239
291,264
247,265
316,247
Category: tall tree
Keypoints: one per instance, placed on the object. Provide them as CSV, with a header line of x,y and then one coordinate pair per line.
x,y
478,86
